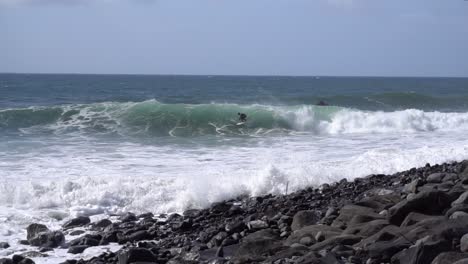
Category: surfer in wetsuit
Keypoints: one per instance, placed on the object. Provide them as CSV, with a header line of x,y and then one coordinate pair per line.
x,y
242,117
322,103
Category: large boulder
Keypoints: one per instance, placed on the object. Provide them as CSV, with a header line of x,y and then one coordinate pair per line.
x,y
304,218
263,242
350,211
47,239
422,253
431,202
462,200
33,229
464,243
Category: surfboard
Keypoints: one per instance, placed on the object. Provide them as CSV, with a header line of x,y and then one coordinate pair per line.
x,y
240,123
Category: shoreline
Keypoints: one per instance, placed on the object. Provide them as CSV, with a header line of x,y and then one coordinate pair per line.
x,y
407,217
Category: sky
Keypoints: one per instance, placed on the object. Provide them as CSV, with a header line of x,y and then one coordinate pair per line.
x,y
236,37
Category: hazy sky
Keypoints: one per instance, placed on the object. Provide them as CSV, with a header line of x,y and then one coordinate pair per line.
x,y
272,37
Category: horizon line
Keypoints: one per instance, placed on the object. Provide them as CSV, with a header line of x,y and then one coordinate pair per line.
x,y
236,75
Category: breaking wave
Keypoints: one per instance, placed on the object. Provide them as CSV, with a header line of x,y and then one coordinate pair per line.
x,y
151,118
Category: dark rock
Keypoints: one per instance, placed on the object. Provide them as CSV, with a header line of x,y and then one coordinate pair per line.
x,y
432,203
132,255
462,200
337,240
77,249
435,177
449,257
350,211
34,229
191,213
138,235
462,261
412,187
257,224
422,253
75,222
4,245
379,202
145,215
51,239
464,243
304,218
102,223
76,232
17,258
413,218
310,231
128,217
367,228
6,261
235,227
24,242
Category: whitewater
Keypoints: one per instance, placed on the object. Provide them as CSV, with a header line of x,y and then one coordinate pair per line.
x,y
66,153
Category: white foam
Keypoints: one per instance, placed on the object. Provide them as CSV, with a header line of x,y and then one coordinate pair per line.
x,y
49,180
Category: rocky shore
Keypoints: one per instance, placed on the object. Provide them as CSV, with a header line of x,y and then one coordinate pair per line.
x,y
416,216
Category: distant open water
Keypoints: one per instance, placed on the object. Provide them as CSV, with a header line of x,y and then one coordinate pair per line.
x,y
100,144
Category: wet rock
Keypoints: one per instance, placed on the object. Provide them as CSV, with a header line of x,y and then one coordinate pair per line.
x,y
51,239
145,215
34,229
128,217
6,261
4,245
304,218
76,232
102,223
432,203
75,222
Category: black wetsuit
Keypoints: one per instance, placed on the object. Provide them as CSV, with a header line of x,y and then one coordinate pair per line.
x,y
242,117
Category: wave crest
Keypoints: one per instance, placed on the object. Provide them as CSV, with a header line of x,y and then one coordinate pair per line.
x,y
151,118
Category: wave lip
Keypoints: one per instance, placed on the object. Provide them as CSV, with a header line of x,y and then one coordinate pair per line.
x,y
154,119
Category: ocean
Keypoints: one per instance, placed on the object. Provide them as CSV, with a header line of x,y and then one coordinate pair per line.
x,y
98,145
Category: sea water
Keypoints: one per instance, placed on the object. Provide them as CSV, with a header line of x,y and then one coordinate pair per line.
x,y
97,145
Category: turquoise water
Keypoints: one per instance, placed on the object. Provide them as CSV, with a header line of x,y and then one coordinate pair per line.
x,y
103,144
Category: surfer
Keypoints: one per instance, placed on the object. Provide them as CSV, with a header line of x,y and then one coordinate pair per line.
x,y
322,103
242,117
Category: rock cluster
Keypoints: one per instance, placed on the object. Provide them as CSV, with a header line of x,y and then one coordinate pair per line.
x,y
418,216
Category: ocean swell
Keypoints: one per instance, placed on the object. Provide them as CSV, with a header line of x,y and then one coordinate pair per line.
x,y
154,119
